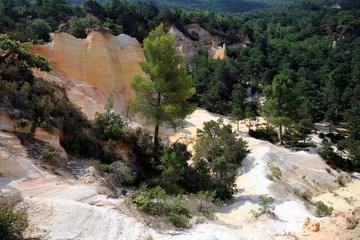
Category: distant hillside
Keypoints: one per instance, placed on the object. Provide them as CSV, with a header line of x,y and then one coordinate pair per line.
x,y
225,6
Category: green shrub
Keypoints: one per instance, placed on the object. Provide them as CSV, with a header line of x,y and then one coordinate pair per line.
x,y
157,202
12,222
274,172
204,203
305,145
123,172
224,151
22,123
322,209
321,135
269,135
297,192
178,220
333,159
306,195
340,180
49,153
265,206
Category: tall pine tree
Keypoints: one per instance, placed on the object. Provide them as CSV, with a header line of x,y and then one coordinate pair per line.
x,y
162,98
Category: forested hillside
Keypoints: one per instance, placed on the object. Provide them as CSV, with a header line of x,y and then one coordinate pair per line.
x,y
224,6
312,45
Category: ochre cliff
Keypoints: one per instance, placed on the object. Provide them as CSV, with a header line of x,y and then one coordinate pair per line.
x,y
90,68
190,49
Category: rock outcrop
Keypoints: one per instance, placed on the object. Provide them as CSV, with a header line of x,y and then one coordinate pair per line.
x,y
53,139
93,67
338,227
190,49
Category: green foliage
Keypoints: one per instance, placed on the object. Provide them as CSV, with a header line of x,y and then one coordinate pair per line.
x,y
124,174
232,6
340,180
214,80
224,152
333,159
265,206
217,139
40,28
306,195
204,203
79,27
279,105
158,202
304,127
15,53
49,153
173,168
274,172
163,97
22,123
268,134
111,124
322,209
12,222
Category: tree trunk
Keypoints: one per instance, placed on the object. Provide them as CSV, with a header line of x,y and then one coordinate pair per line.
x,y
304,135
238,126
156,137
281,135
249,124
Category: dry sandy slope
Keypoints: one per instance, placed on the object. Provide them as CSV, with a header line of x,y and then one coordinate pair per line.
x,y
302,170
61,207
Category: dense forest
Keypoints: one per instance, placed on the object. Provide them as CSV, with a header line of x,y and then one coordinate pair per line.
x,y
302,57
224,6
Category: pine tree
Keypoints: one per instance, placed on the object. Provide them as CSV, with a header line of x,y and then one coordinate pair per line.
x,y
279,107
162,97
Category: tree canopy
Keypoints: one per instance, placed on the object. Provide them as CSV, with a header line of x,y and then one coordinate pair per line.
x,y
279,107
162,97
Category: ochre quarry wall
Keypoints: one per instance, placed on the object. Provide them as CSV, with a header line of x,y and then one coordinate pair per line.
x,y
190,49
93,67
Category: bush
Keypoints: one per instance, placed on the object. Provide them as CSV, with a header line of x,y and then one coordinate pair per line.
x,y
179,221
22,123
306,195
333,159
79,27
322,209
204,203
12,222
157,202
269,135
276,172
124,173
49,153
220,152
321,135
340,180
265,206
305,145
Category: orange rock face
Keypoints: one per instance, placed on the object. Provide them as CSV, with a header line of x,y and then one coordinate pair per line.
x,y
339,226
311,225
95,66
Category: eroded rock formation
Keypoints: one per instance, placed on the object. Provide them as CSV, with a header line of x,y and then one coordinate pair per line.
x,y
339,226
190,49
93,67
